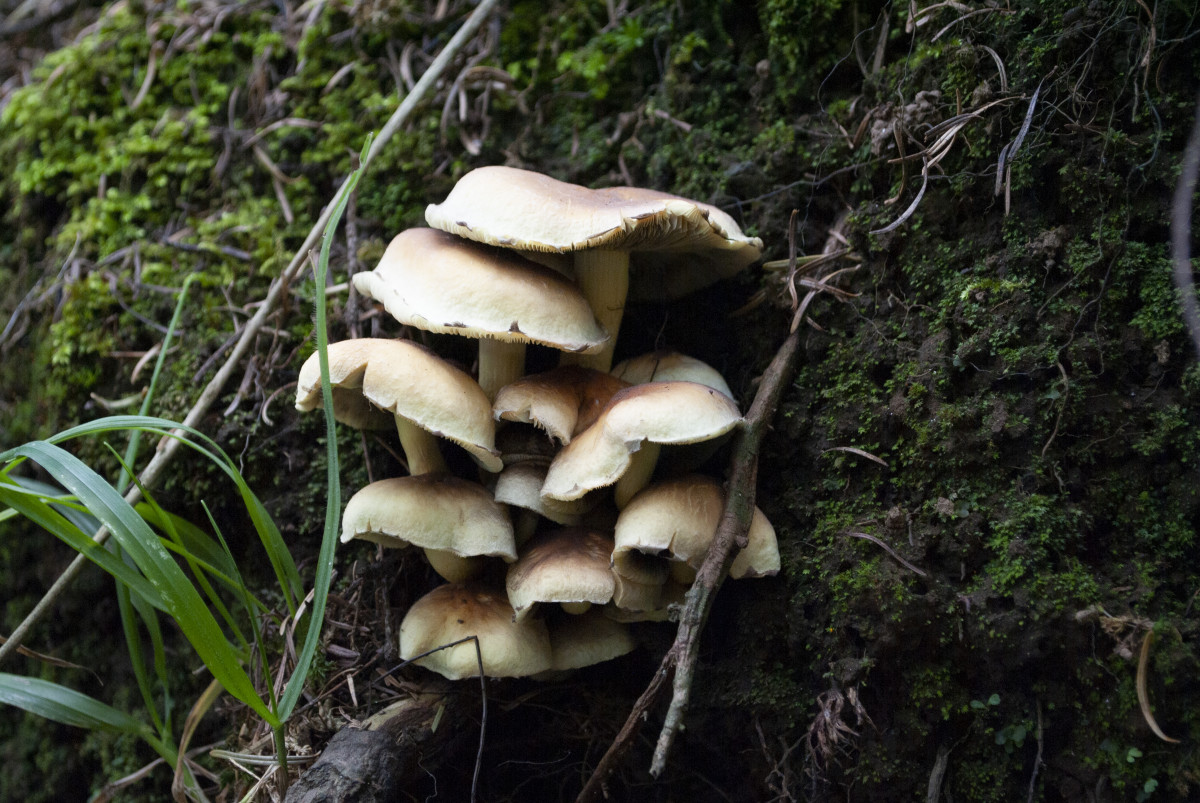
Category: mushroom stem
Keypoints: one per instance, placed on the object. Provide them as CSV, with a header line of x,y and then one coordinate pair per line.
x,y
420,448
500,364
453,568
575,608
603,277
637,476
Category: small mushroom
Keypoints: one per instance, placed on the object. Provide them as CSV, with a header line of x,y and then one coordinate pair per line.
x,y
677,519
623,444
563,401
456,522
587,639
457,611
570,566
426,395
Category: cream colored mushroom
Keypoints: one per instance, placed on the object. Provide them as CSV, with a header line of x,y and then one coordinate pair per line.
x,y
622,445
456,522
529,211
677,519
425,394
458,611
570,566
441,283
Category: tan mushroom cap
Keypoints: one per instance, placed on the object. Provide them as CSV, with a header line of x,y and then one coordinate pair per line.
x,y
657,413
563,401
678,519
520,485
440,283
432,511
525,210
413,384
457,611
588,639
569,566
528,211
666,366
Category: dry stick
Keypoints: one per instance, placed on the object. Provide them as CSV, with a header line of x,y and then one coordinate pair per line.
x,y
169,446
680,660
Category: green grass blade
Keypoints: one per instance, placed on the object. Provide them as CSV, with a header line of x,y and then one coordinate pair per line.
x,y
80,518
333,493
61,704
135,437
277,552
46,516
180,598
133,645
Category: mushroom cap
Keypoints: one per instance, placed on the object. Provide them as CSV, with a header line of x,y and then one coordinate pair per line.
x,y
563,401
441,283
565,565
678,519
520,484
432,511
587,639
522,209
660,412
666,366
411,382
460,610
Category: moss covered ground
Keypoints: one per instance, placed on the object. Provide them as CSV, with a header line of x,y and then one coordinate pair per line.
x,y
1013,353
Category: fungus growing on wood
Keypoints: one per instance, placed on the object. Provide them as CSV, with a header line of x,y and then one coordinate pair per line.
x,y
622,445
563,401
677,519
569,566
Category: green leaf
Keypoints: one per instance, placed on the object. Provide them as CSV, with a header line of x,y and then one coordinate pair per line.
x,y
61,704
179,597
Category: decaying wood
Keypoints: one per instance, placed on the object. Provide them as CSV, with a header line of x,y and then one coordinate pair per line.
x,y
394,749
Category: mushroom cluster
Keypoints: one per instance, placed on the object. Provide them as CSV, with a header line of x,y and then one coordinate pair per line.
x,y
565,535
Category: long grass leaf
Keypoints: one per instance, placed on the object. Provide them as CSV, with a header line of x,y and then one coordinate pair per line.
x,y
80,518
61,704
135,437
45,515
333,486
277,553
179,597
133,645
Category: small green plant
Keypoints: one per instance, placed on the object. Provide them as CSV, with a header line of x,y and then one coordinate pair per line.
x,y
164,565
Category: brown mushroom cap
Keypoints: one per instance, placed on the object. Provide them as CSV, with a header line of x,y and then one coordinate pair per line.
x,y
457,611
432,511
563,401
440,283
413,384
659,412
569,565
678,519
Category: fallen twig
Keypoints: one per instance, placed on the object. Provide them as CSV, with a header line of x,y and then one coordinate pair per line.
x,y
680,661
